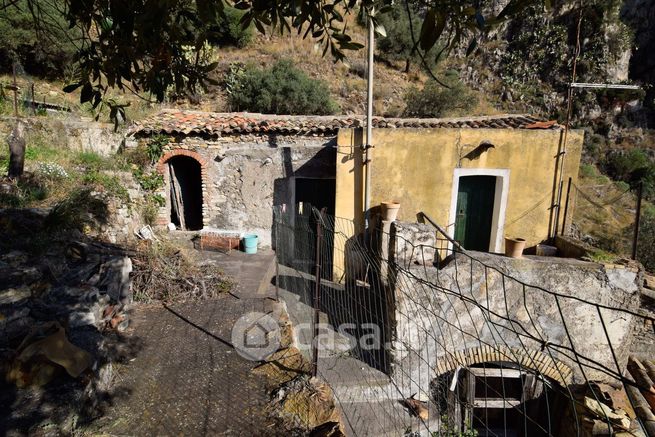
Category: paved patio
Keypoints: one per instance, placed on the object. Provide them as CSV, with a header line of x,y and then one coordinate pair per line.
x,y
188,379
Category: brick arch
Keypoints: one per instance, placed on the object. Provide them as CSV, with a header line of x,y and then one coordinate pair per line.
x,y
182,152
161,169
531,360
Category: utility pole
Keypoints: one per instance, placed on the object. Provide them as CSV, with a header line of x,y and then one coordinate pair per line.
x,y
369,125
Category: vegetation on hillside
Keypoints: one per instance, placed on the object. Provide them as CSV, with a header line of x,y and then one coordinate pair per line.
x,y
436,100
45,54
281,89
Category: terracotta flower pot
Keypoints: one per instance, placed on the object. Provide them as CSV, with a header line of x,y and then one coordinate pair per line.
x,y
390,211
514,247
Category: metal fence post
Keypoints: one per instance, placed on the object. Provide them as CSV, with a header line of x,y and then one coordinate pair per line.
x,y
635,238
277,218
566,207
317,296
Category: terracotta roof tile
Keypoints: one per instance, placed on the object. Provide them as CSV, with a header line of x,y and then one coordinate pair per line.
x,y
216,124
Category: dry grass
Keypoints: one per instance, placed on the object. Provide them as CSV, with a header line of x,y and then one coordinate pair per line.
x,y
604,211
161,272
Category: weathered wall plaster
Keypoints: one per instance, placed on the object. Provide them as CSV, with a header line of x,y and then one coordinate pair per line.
x,y
245,176
416,168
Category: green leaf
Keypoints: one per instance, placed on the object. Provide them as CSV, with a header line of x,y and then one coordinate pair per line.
x,y
72,87
87,93
351,46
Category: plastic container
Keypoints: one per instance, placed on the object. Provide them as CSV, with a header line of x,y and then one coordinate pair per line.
x,y
250,243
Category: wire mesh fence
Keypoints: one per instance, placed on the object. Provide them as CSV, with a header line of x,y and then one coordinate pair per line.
x,y
417,337
612,219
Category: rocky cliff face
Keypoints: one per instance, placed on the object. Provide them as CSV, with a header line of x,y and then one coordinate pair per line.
x,y
639,15
527,62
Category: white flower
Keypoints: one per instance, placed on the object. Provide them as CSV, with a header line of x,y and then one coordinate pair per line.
x,y
51,170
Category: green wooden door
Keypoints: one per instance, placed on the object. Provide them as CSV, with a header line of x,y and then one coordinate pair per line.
x,y
475,207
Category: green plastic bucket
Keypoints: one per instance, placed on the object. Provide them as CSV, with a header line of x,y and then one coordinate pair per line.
x,y
250,243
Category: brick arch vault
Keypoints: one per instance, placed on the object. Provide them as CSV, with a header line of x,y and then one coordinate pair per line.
x,y
161,169
535,361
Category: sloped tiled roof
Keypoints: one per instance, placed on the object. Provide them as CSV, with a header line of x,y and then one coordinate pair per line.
x,y
186,122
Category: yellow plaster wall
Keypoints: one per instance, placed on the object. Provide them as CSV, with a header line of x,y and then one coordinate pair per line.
x,y
415,167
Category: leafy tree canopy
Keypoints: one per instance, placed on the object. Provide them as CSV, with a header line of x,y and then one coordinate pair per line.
x,y
45,54
138,44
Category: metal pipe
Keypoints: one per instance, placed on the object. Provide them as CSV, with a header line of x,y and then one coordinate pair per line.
x,y
566,206
559,205
442,232
567,126
635,238
604,86
369,125
317,295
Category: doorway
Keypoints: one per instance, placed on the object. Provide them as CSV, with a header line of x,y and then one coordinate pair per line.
x,y
475,208
317,193
185,193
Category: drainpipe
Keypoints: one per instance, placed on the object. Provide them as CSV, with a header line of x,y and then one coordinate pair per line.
x,y
369,128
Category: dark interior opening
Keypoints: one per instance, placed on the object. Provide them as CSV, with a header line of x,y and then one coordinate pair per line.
x,y
319,193
185,193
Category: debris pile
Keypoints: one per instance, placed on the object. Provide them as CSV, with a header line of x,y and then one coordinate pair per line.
x,y
62,312
163,272
601,409
307,405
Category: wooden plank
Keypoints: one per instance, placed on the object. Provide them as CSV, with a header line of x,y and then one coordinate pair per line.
x,y
650,368
639,373
496,373
176,195
496,403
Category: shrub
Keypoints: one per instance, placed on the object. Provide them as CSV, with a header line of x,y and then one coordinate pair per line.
x,y
229,31
155,147
92,160
281,89
587,171
633,167
435,100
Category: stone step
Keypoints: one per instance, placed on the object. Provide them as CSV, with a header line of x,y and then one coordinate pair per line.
x,y
385,418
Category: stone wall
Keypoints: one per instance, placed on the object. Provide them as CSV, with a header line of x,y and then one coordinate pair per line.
x,y
244,176
483,307
79,135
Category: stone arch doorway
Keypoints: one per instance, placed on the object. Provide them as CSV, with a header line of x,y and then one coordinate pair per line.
x,y
185,192
508,392
185,173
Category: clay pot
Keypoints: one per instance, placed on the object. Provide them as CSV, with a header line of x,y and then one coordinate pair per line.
x,y
514,247
390,211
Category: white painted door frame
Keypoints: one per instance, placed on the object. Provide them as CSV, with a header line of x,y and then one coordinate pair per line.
x,y
500,202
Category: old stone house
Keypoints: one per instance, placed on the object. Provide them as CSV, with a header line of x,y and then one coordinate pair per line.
x,y
229,170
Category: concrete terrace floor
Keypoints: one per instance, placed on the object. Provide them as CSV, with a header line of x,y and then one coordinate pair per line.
x,y
187,379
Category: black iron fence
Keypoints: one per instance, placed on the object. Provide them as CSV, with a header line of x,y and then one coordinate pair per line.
x,y
416,337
